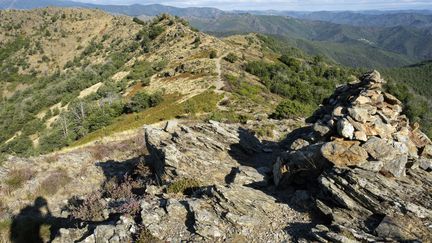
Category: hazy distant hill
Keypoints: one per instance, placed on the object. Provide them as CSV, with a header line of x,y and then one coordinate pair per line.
x,y
402,43
410,18
365,39
132,10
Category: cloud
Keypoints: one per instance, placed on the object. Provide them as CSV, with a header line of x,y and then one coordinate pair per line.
x,y
284,5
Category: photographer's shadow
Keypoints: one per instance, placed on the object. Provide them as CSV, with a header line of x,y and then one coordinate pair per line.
x,y
27,225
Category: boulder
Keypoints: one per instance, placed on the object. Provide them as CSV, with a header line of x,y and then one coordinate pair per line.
x,y
344,153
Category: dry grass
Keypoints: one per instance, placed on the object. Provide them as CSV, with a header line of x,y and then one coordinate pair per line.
x,y
5,230
16,178
168,109
52,158
53,183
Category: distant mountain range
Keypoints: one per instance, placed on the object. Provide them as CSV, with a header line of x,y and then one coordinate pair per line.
x,y
411,43
132,10
412,18
360,39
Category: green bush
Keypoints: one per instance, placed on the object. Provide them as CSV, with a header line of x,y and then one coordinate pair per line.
x,y
184,185
141,71
213,54
231,57
138,21
142,101
21,145
155,31
197,42
289,109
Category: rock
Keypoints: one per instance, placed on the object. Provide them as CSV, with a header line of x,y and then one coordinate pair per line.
x,y
373,77
427,151
374,166
360,136
399,228
359,114
345,129
299,144
361,100
419,139
170,126
344,153
396,166
321,129
361,190
338,111
278,171
379,149
299,165
425,164
301,199
383,130
391,99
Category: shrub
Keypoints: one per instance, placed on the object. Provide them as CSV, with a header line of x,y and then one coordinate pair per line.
x,y
141,71
155,31
185,186
142,101
231,57
266,131
91,208
288,109
197,42
213,54
144,236
138,21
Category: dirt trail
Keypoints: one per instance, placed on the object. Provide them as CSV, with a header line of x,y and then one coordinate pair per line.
x,y
219,82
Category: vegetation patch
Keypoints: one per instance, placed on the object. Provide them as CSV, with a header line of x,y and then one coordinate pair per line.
x,y
185,186
17,178
53,183
266,131
168,109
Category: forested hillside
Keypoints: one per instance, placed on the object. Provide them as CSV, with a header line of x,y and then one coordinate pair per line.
x,y
66,73
382,47
413,85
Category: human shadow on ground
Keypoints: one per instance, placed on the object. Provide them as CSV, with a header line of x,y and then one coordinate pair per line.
x,y
29,224
35,222
250,151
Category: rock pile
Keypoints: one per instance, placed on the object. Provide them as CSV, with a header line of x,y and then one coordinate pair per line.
x,y
371,166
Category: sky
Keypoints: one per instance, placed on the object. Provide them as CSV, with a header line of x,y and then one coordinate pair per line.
x,y
299,5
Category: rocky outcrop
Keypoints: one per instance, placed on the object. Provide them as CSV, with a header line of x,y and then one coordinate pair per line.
x,y
372,168
234,201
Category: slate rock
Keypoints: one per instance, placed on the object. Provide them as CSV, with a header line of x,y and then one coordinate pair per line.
x,y
344,153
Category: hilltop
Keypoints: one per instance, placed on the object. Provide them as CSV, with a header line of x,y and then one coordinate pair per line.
x,y
52,66
120,73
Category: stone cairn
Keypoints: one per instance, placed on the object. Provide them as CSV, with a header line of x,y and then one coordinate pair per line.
x,y
362,126
367,169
